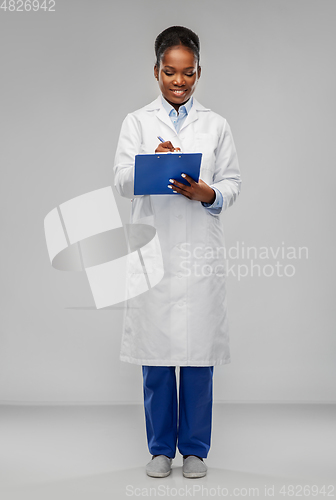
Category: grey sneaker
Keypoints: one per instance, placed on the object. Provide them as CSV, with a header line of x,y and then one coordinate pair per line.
x,y
159,466
193,467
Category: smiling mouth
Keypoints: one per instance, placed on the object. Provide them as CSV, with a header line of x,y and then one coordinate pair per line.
x,y
178,92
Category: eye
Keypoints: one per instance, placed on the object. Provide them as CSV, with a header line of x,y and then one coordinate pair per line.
x,y
168,74
190,74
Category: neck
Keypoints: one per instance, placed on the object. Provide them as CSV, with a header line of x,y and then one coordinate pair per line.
x,y
176,106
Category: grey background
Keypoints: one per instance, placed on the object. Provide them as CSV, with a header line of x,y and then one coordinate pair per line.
x,y
68,79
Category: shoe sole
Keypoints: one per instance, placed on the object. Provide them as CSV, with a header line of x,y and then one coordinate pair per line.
x,y
194,474
158,474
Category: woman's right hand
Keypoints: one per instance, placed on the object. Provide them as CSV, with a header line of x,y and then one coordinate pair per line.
x,y
165,147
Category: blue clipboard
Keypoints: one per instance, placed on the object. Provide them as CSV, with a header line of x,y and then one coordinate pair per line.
x,y
153,171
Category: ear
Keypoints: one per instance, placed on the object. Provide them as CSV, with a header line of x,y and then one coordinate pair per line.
x,y
156,72
199,71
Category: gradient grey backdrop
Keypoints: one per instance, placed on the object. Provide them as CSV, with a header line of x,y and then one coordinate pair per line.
x,y
68,79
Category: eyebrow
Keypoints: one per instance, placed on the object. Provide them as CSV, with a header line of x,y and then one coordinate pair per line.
x,y
172,67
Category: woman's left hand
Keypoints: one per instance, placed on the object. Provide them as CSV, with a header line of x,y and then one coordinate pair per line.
x,y
199,191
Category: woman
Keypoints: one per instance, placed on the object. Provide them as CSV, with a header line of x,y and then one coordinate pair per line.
x,y
182,321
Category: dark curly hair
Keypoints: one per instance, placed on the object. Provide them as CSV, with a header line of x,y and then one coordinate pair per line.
x,y
176,35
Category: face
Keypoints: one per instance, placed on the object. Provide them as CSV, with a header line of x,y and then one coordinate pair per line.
x,y
178,75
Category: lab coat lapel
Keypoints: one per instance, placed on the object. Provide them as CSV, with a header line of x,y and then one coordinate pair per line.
x,y
191,117
193,113
163,116
161,113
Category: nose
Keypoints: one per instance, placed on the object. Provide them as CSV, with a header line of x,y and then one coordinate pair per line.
x,y
179,80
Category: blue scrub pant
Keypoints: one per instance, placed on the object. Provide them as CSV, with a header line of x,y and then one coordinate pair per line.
x,y
188,424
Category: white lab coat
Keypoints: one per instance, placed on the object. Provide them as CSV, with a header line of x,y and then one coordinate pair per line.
x,y
182,321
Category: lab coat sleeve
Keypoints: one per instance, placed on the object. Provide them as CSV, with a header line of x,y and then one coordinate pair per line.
x,y
227,177
129,145
216,206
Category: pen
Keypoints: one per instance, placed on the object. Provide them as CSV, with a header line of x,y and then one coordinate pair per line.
x,y
162,140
